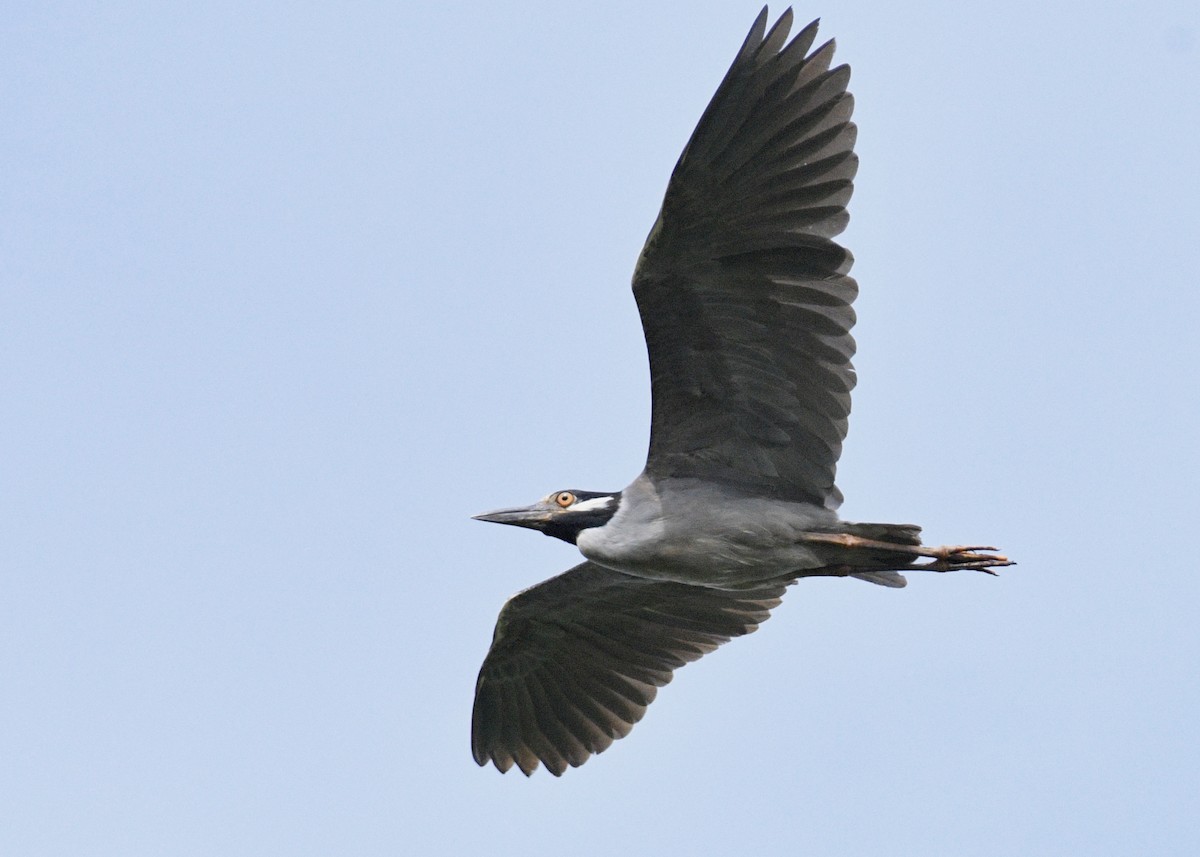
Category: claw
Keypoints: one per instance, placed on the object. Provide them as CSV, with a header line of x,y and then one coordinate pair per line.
x,y
965,561
957,550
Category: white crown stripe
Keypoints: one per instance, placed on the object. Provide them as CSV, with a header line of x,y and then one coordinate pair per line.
x,y
594,503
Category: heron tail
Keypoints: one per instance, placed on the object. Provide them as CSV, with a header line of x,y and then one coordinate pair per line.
x,y
901,534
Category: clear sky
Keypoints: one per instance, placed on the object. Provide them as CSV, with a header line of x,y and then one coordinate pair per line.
x,y
289,291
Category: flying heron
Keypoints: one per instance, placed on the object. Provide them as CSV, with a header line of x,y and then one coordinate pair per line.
x,y
746,306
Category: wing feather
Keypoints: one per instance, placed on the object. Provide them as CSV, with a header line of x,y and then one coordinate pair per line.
x,y
745,300
576,660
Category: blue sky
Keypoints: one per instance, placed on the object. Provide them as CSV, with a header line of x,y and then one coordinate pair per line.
x,y
289,291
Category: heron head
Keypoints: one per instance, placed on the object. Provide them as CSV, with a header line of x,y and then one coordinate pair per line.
x,y
563,514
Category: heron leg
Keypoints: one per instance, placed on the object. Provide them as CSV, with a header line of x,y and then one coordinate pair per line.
x,y
943,558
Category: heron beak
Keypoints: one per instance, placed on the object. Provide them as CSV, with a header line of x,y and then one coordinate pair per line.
x,y
534,517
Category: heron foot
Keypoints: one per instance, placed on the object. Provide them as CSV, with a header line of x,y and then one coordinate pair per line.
x,y
962,558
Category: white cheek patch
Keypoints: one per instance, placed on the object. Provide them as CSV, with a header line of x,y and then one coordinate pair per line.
x,y
592,504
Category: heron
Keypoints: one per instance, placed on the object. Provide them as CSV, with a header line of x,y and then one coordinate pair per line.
x,y
745,301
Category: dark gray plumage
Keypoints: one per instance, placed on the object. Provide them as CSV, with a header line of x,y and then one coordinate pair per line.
x,y
741,251
575,660
746,305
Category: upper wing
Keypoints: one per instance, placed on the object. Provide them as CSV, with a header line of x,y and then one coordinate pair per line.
x,y
576,659
744,298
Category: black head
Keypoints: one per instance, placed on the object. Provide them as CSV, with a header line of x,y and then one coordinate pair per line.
x,y
563,514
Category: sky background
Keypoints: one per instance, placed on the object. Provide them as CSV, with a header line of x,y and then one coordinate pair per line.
x,y
289,291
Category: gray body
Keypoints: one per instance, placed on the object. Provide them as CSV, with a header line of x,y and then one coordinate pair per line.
x,y
698,532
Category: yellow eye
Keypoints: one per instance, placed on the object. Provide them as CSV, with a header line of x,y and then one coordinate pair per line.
x,y
564,498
